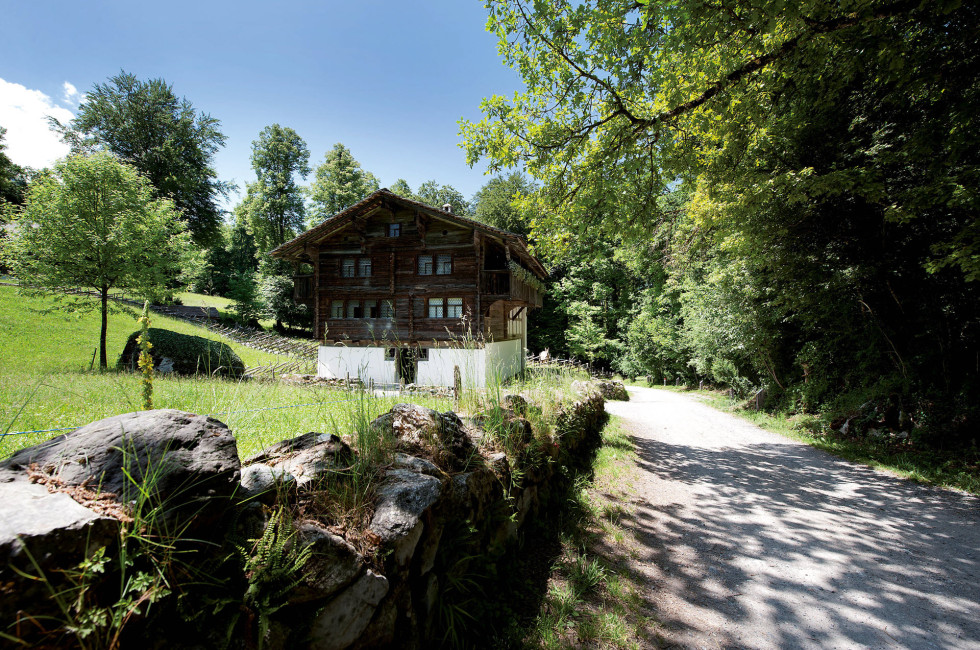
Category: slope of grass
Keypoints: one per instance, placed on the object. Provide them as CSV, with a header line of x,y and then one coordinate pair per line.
x,y
45,382
33,342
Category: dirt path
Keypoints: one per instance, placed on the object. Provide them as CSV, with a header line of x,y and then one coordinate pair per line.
x,y
752,540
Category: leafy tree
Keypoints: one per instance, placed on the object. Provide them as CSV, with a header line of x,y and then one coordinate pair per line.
x,y
496,202
13,178
622,98
276,295
273,205
436,195
243,289
829,149
402,188
234,254
145,124
340,183
94,223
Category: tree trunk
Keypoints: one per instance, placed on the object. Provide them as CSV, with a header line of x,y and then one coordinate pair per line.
x,y
103,360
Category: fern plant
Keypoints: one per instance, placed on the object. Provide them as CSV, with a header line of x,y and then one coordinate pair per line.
x,y
273,567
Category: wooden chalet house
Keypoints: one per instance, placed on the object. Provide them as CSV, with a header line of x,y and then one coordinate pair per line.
x,y
403,292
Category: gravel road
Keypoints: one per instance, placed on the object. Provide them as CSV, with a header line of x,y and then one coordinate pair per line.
x,y
752,540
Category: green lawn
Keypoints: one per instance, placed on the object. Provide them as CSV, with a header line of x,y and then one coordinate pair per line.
x,y
203,300
45,382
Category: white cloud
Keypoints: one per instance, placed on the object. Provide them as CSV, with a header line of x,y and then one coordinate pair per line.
x,y
71,95
23,112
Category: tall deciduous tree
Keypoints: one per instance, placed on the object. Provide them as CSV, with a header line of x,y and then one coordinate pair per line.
x,y
496,203
13,179
94,223
436,195
339,183
173,145
273,205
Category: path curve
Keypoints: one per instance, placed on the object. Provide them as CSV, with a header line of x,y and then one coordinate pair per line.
x,y
751,540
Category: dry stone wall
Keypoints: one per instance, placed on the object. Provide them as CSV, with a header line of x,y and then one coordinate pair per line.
x,y
452,485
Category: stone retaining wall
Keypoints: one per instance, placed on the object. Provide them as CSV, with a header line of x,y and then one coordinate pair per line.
x,y
453,488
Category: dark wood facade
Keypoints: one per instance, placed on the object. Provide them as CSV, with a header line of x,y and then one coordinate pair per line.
x,y
396,272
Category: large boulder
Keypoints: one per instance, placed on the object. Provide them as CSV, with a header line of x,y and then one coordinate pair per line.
x,y
42,533
183,354
398,518
303,460
187,464
425,432
612,390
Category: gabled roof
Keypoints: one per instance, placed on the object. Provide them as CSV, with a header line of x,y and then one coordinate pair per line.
x,y
385,197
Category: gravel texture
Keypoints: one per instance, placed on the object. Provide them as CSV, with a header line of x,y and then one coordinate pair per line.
x,y
751,540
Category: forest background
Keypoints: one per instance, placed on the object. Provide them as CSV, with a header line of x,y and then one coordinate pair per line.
x,y
750,193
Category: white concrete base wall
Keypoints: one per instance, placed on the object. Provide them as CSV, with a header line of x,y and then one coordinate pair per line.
x,y
366,363
503,360
492,363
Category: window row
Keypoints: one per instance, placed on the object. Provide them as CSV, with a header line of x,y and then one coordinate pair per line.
x,y
445,307
360,267
435,264
361,309
437,308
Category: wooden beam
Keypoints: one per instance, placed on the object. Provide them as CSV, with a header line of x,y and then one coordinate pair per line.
x,y
420,225
478,248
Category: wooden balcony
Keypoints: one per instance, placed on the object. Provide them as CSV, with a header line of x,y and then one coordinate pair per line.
x,y
501,284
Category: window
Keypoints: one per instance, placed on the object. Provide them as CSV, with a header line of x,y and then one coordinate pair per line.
x,y
372,308
394,230
444,264
437,308
354,309
454,308
347,268
386,309
364,267
425,265
337,309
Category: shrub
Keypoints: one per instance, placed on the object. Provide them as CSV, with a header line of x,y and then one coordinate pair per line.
x,y
188,354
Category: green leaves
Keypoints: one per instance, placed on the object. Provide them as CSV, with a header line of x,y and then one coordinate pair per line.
x,y
339,183
165,138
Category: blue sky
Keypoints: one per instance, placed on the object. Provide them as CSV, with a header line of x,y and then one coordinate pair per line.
x,y
388,79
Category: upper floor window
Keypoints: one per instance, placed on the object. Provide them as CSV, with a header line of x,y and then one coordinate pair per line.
x,y
444,264
394,230
355,267
354,309
425,265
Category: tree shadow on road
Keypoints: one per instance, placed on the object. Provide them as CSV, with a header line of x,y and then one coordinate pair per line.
x,y
806,550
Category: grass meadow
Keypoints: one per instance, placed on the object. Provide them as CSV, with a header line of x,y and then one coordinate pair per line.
x,y
47,381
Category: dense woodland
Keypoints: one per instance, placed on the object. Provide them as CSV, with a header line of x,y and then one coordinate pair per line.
x,y
749,193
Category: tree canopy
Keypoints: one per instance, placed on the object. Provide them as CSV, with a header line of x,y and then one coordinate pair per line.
x,y
13,178
145,124
338,184
624,98
273,205
788,189
94,223
497,203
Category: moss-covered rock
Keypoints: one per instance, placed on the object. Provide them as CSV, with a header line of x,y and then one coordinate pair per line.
x,y
184,354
